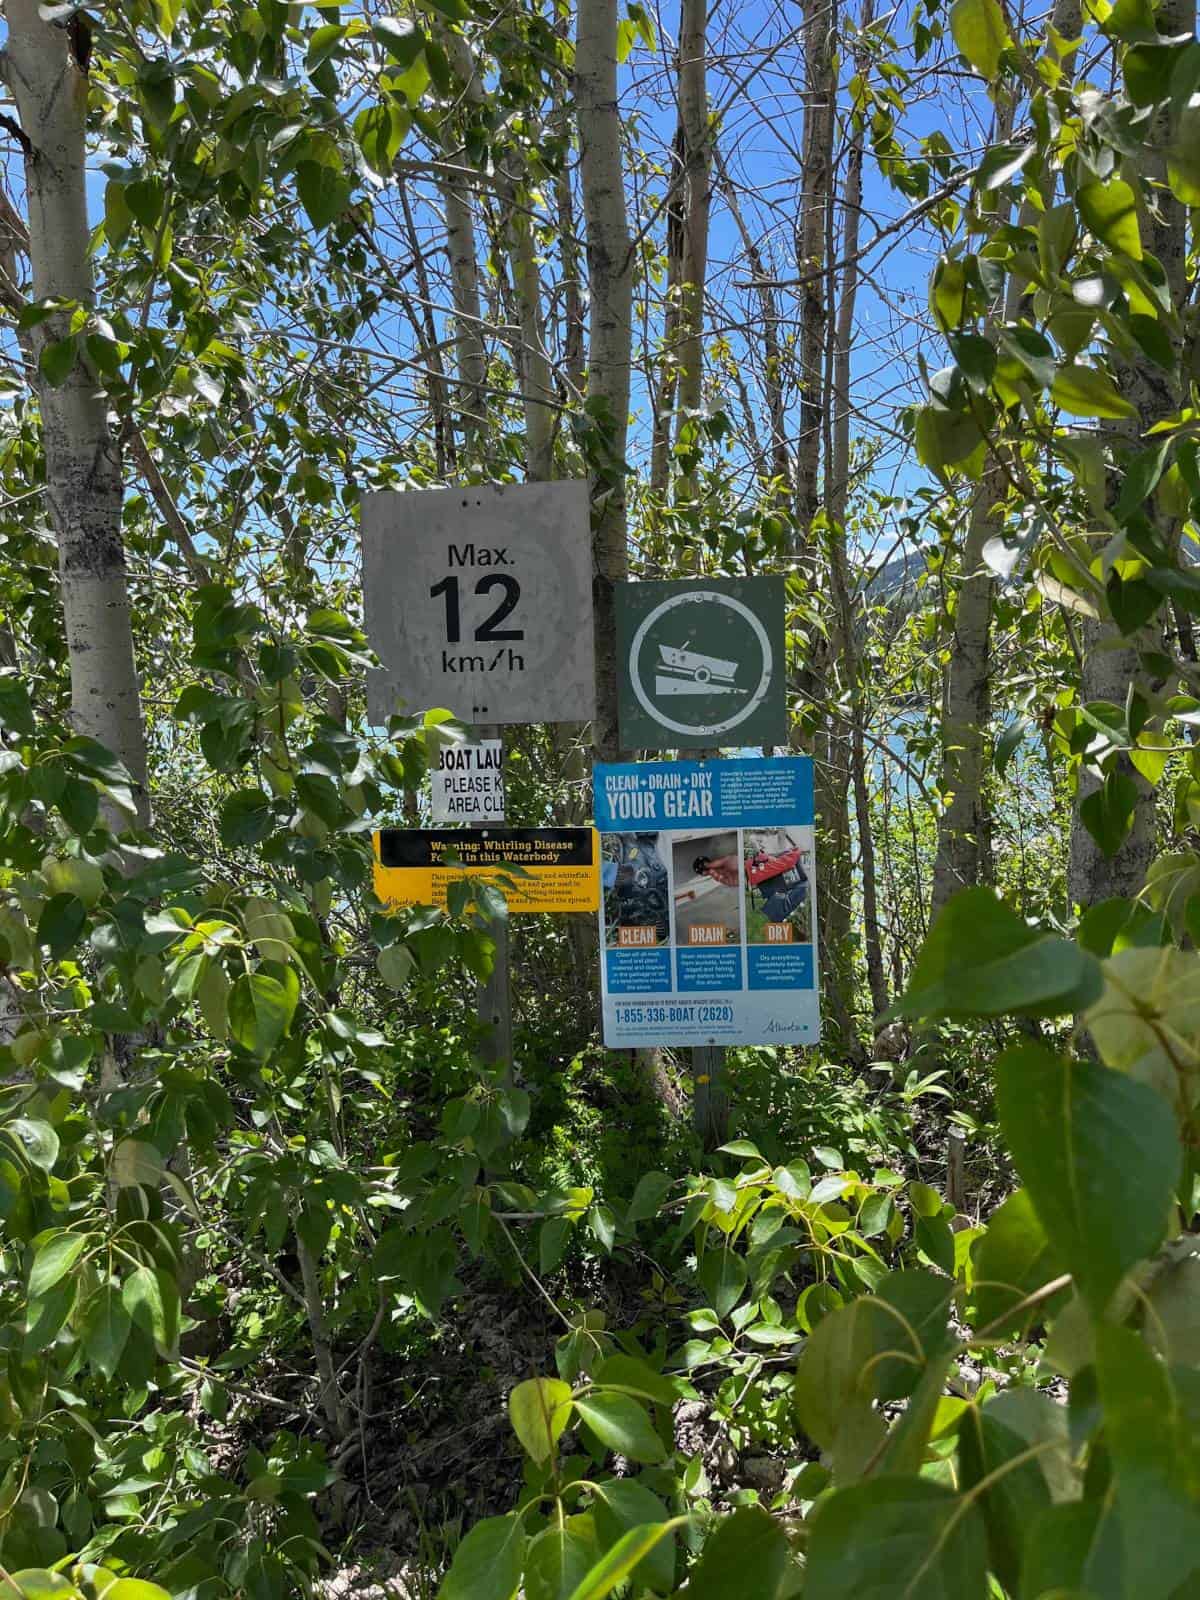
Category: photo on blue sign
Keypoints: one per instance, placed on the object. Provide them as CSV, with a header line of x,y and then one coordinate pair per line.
x,y
708,913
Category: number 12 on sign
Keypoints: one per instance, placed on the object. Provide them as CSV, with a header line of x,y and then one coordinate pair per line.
x,y
489,631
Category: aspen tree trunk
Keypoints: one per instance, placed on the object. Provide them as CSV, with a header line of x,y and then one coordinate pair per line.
x,y
829,747
964,827
610,341
570,275
820,91
668,383
428,344
837,499
459,212
610,334
1110,659
697,192
537,383
780,468
1110,662
83,466
963,856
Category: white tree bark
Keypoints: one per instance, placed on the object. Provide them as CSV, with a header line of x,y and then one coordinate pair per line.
x,y
820,93
610,332
83,464
533,364
470,351
697,191
837,495
1110,660
964,826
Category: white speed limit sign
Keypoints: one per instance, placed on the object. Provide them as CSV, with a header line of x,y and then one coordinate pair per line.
x,y
480,600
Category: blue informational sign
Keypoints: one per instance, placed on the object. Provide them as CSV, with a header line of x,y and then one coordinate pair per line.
x,y
708,913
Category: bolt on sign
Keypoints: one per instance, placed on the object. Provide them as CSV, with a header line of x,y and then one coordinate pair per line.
x,y
468,782
708,917
701,662
538,869
480,600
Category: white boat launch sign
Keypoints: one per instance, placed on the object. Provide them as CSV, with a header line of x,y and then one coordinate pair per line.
x,y
468,783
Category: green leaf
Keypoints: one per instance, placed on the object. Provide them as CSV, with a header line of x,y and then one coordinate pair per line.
x,y
46,1318
627,1372
1002,163
625,1557
151,1298
137,1162
552,1243
323,192
875,1348
319,794
105,1329
1110,211
37,1138
623,1504
488,1563
246,817
981,959
395,964
1183,157
747,1555
619,1422
539,1409
1071,1126
212,996
133,1589
16,708
60,924
558,1560
980,34
723,1276
79,805
947,293
1088,392
652,1189
1013,1258
380,132
260,1012
1108,812
1067,1544
400,37
944,438
35,1583
896,1536
1015,1496
57,361
1152,1442
53,1259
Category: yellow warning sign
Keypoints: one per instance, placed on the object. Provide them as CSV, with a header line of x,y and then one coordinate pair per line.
x,y
537,869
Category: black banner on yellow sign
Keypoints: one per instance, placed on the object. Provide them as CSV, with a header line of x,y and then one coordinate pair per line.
x,y
557,869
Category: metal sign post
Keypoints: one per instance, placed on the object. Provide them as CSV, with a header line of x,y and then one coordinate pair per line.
x,y
493,995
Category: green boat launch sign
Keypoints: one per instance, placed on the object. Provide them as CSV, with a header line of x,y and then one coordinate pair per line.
x,y
701,663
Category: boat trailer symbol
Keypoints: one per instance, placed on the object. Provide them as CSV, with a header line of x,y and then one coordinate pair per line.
x,y
686,671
